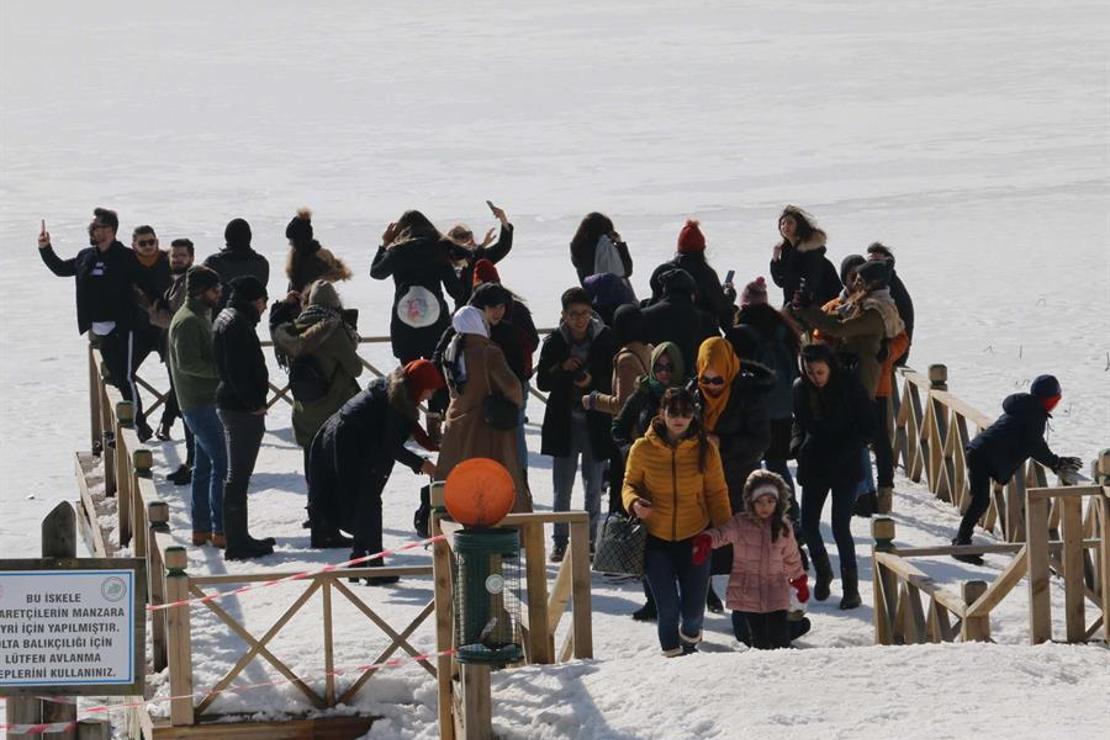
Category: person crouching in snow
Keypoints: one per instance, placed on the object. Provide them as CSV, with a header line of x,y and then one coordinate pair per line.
x,y
1000,449
765,563
675,484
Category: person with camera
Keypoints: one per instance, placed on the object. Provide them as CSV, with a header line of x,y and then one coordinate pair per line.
x,y
998,451
319,349
485,403
575,360
716,299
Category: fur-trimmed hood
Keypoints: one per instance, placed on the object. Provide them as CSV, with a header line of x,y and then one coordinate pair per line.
x,y
398,393
817,240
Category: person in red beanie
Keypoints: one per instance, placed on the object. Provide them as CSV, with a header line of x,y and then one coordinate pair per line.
x,y
352,456
712,297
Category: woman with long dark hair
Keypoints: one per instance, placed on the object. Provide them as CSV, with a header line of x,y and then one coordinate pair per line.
x,y
833,422
799,262
675,485
594,246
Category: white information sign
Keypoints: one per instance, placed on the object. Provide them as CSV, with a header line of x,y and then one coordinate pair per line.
x,y
61,627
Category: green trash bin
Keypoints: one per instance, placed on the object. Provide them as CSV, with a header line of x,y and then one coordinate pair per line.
x,y
487,596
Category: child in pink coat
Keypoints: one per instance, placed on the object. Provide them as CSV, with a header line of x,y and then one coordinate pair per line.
x,y
765,562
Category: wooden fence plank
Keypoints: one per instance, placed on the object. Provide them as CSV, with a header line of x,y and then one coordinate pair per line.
x,y
1036,541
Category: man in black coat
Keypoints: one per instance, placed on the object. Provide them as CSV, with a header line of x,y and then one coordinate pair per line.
x,y
676,318
575,360
237,258
999,450
106,276
898,292
241,403
352,456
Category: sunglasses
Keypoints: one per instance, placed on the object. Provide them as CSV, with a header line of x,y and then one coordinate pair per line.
x,y
662,367
146,242
706,380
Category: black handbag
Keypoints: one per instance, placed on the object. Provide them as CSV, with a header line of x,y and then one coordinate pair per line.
x,y
620,545
498,411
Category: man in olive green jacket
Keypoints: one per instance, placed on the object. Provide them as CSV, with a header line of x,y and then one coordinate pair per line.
x,y
193,369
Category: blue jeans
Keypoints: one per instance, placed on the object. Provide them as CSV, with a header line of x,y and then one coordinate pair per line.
x,y
563,470
867,485
209,468
679,588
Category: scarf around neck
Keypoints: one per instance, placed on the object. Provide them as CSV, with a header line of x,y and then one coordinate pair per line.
x,y
717,354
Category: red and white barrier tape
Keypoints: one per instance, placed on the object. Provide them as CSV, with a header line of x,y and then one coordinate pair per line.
x,y
295,577
38,729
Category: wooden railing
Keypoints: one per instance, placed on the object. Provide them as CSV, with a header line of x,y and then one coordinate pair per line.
x,y
910,607
931,431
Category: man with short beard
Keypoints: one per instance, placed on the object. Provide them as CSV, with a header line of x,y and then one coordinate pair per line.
x,y
161,314
149,337
105,275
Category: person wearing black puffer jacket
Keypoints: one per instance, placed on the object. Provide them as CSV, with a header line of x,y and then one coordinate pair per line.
x,y
237,258
241,404
833,422
715,299
799,259
999,450
676,318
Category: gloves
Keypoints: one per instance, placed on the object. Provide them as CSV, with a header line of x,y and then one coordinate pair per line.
x,y
703,543
1069,462
801,586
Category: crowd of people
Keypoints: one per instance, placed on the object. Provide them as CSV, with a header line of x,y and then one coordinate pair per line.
x,y
685,406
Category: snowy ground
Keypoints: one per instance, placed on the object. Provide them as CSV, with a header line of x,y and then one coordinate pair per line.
x,y
970,137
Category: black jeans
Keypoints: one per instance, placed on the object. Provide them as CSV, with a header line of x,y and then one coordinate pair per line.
x,y
843,501
243,432
762,631
119,352
979,481
884,453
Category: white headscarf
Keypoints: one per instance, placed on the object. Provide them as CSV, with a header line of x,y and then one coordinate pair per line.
x,y
470,320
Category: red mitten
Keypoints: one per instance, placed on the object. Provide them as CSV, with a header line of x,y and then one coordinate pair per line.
x,y
703,543
801,585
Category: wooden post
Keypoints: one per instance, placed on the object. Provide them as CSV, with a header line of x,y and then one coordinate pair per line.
x,y
541,647
59,540
94,729
158,514
94,402
974,629
1104,556
1036,544
1074,595
178,631
882,530
329,651
142,460
582,609
938,377
441,575
477,706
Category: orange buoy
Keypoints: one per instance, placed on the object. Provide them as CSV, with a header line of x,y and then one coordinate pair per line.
x,y
479,492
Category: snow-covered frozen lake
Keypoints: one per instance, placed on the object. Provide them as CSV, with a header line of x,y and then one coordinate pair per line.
x,y
971,137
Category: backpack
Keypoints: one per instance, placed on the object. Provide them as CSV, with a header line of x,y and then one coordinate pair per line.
x,y
306,379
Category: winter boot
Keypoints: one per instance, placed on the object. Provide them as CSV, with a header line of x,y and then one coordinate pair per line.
x,y
270,541
183,476
865,505
689,644
713,601
798,627
240,545
884,500
201,538
850,578
970,559
647,612
219,541
823,569
379,580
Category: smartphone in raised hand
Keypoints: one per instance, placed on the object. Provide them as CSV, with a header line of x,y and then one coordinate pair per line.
x,y
729,276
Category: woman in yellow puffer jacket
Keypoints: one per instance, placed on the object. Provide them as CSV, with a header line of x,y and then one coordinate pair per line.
x,y
675,485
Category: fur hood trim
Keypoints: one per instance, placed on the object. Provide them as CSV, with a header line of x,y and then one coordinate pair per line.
x,y
398,393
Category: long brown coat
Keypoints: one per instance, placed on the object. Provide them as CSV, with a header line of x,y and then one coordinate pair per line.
x,y
466,433
631,363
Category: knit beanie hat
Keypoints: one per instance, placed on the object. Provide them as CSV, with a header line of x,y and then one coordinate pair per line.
x,y
1045,386
299,232
238,234
247,288
874,271
199,279
755,293
421,375
848,265
690,239
485,272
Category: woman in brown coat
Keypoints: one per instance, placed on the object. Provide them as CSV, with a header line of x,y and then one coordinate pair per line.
x,y
475,368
